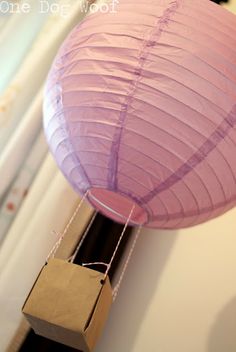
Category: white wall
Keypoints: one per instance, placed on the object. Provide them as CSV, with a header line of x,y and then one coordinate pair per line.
x,y
179,292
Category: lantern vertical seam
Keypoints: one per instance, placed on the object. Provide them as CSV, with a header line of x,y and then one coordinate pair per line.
x,y
161,23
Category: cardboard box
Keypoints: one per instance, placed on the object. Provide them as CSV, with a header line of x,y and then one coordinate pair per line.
x,y
69,304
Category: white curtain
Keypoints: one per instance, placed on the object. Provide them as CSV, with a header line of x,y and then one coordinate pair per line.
x,y
20,187
16,38
12,156
32,73
35,199
46,174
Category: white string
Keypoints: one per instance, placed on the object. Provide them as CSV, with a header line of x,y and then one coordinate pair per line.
x,y
72,258
116,288
118,244
108,265
95,263
57,244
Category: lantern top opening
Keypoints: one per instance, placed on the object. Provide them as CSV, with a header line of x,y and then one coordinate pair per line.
x,y
117,206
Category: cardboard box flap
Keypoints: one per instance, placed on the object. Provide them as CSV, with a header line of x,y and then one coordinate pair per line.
x,y
99,315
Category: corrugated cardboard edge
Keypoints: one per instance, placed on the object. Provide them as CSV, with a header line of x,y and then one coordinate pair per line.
x,y
22,309
23,328
99,315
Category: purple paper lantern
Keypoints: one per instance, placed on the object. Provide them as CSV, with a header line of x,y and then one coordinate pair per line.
x,y
140,111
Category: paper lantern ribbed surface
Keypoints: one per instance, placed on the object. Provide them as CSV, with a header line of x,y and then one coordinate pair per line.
x,y
140,109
